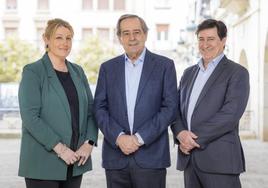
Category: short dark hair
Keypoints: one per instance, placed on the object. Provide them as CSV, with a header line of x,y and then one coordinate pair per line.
x,y
126,16
211,23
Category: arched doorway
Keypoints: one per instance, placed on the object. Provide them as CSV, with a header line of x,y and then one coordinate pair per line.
x,y
264,128
245,121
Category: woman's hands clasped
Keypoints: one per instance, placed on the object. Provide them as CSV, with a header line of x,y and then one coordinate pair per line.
x,y
70,157
84,152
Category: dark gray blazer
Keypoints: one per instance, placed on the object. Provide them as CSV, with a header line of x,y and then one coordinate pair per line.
x,y
215,118
155,109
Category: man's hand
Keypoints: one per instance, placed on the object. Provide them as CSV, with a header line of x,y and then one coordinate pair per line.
x,y
135,140
84,152
128,144
187,141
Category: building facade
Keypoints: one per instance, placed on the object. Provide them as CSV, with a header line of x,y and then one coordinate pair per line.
x,y
27,19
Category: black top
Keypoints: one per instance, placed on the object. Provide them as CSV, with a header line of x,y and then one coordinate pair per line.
x,y
71,93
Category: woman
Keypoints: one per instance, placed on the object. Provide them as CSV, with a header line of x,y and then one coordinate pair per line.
x,y
58,128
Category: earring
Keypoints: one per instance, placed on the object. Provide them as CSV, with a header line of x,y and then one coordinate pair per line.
x,y
47,49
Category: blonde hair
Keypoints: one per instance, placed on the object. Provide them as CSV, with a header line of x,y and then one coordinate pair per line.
x,y
53,25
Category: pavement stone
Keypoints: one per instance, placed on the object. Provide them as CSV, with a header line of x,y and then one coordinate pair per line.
x,y
256,153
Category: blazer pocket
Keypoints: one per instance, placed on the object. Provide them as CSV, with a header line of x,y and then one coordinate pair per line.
x,y
228,138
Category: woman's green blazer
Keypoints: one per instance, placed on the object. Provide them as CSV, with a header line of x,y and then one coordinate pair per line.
x,y
46,120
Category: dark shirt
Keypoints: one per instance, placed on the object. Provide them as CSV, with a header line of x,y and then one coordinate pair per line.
x,y
71,93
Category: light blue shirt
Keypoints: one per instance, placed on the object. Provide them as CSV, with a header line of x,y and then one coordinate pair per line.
x,y
132,79
200,81
133,72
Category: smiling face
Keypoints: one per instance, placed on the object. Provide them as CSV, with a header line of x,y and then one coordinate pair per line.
x,y
60,43
132,37
210,45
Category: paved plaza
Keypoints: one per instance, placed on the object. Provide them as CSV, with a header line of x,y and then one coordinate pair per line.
x,y
256,176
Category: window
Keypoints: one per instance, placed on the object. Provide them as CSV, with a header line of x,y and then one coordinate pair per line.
x,y
115,37
162,31
162,4
11,31
86,32
87,5
39,37
42,5
103,4
103,33
39,33
119,4
11,4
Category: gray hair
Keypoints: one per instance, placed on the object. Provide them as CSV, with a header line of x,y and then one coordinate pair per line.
x,y
126,16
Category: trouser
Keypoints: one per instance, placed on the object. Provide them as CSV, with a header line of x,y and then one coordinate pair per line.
x,y
133,176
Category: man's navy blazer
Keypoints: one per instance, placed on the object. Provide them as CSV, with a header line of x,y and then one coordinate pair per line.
x,y
155,110
215,118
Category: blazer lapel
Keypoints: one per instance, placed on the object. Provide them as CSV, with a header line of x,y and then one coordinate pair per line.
x,y
54,81
147,69
81,92
215,74
190,87
120,78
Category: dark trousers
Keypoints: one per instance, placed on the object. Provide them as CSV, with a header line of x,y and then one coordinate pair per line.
x,y
134,176
195,178
73,182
